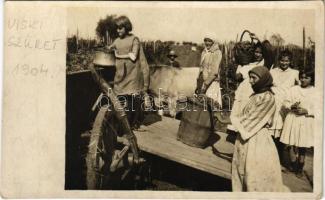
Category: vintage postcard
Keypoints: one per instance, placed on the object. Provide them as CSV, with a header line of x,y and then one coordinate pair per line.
x,y
169,100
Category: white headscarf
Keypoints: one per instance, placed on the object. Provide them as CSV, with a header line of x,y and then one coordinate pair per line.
x,y
213,48
210,35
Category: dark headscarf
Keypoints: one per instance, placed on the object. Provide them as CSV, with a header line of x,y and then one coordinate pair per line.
x,y
265,82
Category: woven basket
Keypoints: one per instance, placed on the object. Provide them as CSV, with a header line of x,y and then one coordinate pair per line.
x,y
244,50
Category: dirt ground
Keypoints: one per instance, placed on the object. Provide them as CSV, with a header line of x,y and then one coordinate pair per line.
x,y
305,183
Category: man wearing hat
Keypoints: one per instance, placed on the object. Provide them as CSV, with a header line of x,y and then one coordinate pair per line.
x,y
172,62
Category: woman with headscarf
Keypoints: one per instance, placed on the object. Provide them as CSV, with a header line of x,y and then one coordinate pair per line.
x,y
244,89
255,164
209,68
262,57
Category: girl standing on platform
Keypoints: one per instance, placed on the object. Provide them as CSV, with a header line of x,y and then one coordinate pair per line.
x,y
298,128
131,79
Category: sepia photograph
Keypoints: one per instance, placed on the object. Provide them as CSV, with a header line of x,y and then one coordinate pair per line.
x,y
190,99
163,100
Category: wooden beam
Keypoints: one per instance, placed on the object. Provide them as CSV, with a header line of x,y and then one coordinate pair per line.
x,y
161,140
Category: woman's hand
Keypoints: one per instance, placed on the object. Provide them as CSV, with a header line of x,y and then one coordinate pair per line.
x,y
109,49
253,36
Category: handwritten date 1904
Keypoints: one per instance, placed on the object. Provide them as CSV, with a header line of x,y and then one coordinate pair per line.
x,y
27,69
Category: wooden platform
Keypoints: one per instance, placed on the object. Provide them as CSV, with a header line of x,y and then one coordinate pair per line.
x,y
160,140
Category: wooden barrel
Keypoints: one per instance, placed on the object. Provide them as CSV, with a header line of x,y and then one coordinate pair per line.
x,y
196,124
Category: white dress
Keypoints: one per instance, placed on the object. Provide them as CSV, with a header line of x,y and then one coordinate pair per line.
x,y
299,130
282,81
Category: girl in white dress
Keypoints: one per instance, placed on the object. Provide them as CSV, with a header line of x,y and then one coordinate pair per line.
x,y
284,77
298,128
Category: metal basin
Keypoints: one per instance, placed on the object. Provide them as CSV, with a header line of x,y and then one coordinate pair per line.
x,y
104,59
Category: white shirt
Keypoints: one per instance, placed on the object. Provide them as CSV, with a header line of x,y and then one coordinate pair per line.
x,y
286,78
246,68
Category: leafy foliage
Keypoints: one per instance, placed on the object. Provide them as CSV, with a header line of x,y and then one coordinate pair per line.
x,y
106,27
189,55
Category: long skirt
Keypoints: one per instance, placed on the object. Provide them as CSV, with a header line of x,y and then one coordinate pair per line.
x,y
256,166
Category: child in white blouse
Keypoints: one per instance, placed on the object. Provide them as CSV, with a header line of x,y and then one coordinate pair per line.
x,y
284,77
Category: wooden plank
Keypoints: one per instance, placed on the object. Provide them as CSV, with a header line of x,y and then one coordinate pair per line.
x,y
160,139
